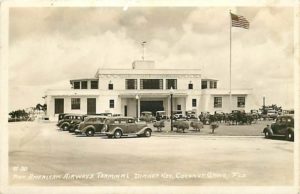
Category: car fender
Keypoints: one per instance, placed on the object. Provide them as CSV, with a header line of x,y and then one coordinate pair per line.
x,y
88,127
143,130
265,129
269,130
114,129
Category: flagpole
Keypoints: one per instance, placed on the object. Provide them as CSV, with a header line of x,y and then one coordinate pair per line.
x,y
230,63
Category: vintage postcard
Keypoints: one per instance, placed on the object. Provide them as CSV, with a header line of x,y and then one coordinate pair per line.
x,y
149,97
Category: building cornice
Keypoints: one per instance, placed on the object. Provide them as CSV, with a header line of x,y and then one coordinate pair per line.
x,y
180,73
149,76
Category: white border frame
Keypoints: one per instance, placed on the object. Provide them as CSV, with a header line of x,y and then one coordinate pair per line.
x,y
126,4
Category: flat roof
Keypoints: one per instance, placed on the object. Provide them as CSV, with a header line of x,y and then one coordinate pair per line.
x,y
84,79
149,71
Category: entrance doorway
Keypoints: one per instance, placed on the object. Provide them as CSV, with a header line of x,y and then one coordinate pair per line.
x,y
58,105
91,106
125,110
152,106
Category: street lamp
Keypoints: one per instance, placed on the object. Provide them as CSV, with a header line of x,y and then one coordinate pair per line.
x,y
137,106
264,105
171,94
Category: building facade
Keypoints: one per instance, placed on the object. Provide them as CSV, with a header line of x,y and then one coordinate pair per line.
x,y
145,88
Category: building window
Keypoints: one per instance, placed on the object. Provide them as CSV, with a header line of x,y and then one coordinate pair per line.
x,y
212,84
94,84
179,107
151,84
110,86
190,86
75,103
84,85
171,83
241,102
131,84
76,85
217,102
194,102
111,103
203,84
215,84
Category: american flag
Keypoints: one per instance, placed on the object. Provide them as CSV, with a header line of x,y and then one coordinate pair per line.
x,y
239,21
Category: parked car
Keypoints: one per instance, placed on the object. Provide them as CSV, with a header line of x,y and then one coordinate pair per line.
x,y
161,115
64,123
124,126
61,116
74,124
91,125
291,111
272,114
190,115
178,116
284,126
147,116
254,112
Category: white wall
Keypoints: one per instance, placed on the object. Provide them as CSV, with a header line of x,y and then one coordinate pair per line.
x,y
207,103
119,83
183,83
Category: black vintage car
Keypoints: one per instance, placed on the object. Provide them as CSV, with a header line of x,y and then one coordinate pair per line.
x,y
74,124
284,126
60,117
64,123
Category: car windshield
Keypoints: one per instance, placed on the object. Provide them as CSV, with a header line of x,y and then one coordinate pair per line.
x,y
101,120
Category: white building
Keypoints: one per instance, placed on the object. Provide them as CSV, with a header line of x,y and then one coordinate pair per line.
x,y
145,88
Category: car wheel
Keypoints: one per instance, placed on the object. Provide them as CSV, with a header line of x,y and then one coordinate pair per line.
x,y
118,134
90,132
65,127
147,133
290,136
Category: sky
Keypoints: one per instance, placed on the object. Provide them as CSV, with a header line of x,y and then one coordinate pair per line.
x,y
50,46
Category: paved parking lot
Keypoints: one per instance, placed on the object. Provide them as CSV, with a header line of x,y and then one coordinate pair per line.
x,y
39,154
